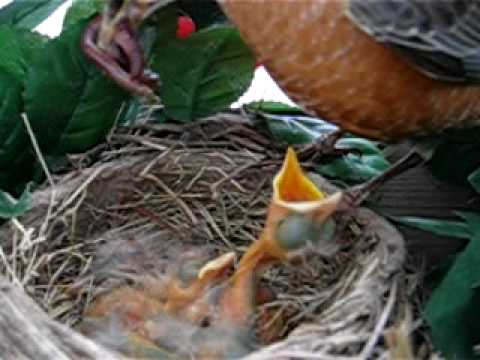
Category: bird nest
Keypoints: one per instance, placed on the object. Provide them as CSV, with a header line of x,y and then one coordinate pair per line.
x,y
155,195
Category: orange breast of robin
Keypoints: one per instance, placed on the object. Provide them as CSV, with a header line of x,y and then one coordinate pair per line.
x,y
332,68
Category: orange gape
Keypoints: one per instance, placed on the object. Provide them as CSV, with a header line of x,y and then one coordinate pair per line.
x,y
326,63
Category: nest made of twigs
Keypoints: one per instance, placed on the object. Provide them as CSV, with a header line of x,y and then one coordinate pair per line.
x,y
152,193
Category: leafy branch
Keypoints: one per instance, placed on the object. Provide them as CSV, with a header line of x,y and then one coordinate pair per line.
x,y
71,105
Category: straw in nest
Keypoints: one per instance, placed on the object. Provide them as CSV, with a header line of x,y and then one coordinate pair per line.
x,y
167,190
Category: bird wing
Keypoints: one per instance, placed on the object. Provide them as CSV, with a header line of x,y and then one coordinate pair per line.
x,y
440,37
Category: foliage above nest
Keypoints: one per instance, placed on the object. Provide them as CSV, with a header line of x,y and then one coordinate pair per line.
x,y
71,106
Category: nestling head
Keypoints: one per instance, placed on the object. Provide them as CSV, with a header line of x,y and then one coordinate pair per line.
x,y
300,213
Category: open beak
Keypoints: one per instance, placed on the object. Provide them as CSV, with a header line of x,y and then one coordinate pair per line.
x,y
111,42
291,184
298,214
294,192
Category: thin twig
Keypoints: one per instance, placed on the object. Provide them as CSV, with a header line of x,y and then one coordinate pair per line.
x,y
37,150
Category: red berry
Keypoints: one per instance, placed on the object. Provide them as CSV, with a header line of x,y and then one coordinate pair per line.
x,y
185,27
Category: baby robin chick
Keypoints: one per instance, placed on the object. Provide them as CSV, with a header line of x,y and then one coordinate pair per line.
x,y
208,309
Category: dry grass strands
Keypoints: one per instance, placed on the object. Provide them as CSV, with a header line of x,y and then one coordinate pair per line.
x,y
161,193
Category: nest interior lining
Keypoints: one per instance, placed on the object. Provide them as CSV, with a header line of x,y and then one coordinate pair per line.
x,y
161,191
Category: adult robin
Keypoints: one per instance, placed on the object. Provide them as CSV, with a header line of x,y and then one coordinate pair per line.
x,y
383,69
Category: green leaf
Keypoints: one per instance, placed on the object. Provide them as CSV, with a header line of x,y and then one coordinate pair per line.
x,y
273,108
454,307
69,103
16,160
10,207
450,228
135,111
13,138
472,220
28,13
203,74
474,180
364,146
376,162
129,113
81,10
365,161
17,48
355,168
293,129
